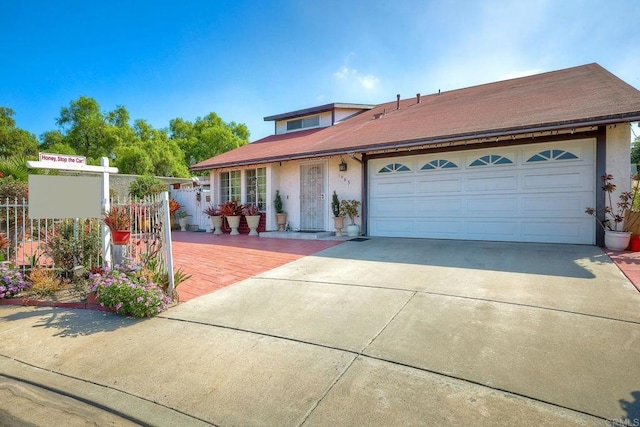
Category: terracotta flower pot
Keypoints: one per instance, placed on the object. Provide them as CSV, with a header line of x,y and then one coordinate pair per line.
x,y
120,237
338,223
281,220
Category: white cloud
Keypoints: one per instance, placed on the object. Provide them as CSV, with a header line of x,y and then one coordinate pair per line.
x,y
343,74
369,81
352,76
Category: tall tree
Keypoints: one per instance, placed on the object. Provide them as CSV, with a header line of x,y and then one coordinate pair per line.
x,y
54,141
207,137
133,160
165,153
136,149
13,140
87,128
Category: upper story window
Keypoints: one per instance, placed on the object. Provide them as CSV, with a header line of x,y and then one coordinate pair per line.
x,y
303,123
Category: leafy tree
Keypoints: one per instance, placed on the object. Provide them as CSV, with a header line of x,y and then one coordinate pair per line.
x,y
207,137
165,153
133,160
55,138
85,128
118,117
15,141
135,149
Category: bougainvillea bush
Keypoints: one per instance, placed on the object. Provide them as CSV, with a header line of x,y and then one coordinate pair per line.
x,y
11,281
128,289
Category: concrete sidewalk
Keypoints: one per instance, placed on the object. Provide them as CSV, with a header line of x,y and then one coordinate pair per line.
x,y
380,332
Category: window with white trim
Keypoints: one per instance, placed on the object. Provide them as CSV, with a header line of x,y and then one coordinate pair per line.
x,y
256,187
303,123
230,186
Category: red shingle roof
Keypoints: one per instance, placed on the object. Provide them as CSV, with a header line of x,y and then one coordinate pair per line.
x,y
579,96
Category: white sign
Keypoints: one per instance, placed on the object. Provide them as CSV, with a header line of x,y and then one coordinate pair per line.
x,y
62,159
53,196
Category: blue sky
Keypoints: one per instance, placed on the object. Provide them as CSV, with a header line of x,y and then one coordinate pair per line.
x,y
245,60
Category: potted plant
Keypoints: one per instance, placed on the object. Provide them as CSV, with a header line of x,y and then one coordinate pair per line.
x,y
252,214
174,206
281,217
216,218
182,215
349,208
338,220
118,219
232,211
617,232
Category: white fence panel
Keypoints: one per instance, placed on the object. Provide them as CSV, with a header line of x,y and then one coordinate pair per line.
x,y
194,201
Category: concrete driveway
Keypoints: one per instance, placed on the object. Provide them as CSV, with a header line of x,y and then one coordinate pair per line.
x,y
379,332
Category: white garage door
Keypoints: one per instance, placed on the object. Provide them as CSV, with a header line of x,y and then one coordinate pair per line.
x,y
530,193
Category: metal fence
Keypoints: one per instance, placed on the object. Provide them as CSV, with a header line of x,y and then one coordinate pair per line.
x,y
68,243
150,240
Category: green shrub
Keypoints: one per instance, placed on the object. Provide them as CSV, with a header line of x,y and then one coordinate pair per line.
x,y
128,290
146,185
12,188
63,244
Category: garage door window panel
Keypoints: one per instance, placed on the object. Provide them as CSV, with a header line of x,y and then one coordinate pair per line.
x,y
552,155
491,160
394,167
438,165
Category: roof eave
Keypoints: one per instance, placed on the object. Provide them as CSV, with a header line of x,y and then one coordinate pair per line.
x,y
318,109
619,118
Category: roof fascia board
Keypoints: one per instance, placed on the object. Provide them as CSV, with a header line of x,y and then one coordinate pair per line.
x,y
315,110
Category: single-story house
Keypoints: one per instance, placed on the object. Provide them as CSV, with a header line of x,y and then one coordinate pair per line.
x,y
515,160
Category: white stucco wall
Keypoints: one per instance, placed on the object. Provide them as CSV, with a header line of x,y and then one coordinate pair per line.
x,y
618,156
348,185
286,178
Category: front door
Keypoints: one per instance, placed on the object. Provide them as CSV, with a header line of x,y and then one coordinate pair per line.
x,y
312,196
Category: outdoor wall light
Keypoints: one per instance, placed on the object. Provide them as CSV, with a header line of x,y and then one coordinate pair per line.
x,y
343,165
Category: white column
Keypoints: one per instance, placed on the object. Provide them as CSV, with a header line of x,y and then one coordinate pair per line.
x,y
166,229
106,235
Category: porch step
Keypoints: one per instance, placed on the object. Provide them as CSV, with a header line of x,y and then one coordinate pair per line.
x,y
320,235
